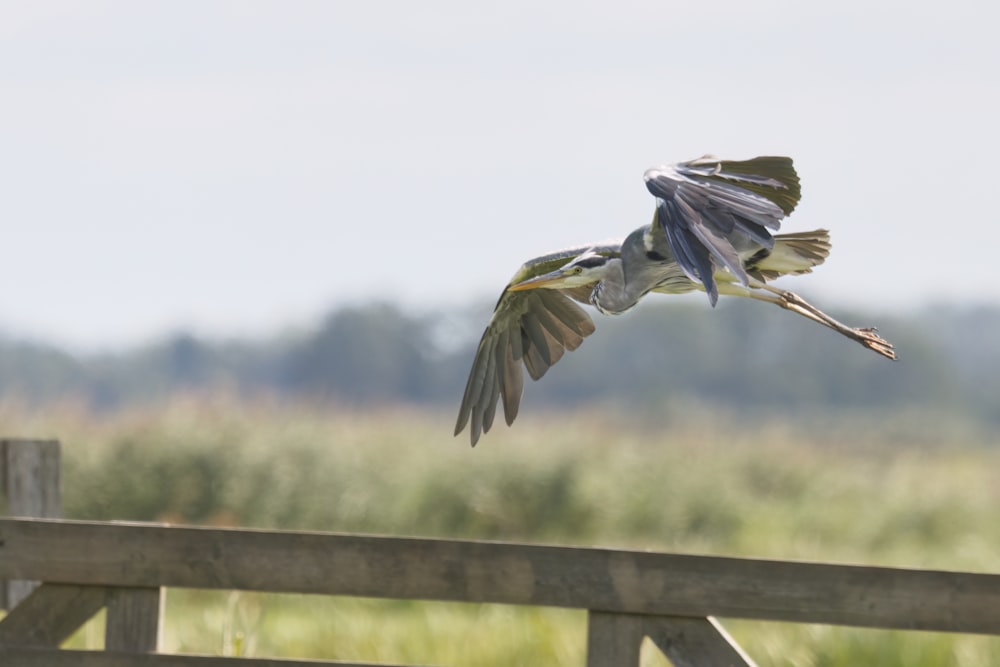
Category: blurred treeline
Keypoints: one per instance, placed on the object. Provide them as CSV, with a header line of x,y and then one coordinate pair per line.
x,y
741,355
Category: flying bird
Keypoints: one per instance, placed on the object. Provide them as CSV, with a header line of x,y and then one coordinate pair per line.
x,y
711,231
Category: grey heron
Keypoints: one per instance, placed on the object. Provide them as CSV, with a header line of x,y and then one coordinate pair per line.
x,y
711,231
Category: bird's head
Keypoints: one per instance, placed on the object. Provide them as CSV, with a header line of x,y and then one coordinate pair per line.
x,y
585,269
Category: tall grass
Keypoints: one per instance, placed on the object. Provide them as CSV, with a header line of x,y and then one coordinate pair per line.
x,y
906,489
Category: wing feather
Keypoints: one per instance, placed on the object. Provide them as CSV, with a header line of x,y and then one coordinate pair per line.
x,y
571,315
557,331
702,203
491,389
529,329
532,327
484,412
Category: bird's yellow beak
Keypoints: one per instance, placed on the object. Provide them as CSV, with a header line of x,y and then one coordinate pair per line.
x,y
543,280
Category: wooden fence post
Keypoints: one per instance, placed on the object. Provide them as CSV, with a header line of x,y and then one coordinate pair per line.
x,y
133,622
613,640
29,474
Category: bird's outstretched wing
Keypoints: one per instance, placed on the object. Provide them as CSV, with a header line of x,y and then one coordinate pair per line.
x,y
701,204
531,329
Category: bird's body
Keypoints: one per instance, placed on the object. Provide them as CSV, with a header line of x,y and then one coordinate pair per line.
x,y
711,231
639,271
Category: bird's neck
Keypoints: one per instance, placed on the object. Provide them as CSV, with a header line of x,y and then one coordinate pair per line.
x,y
611,295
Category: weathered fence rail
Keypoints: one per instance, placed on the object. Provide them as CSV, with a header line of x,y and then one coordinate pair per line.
x,y
670,598
137,555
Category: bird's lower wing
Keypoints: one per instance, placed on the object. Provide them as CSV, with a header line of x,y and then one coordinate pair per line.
x,y
531,327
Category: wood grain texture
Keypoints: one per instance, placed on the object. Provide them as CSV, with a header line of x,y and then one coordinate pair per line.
x,y
34,657
695,642
133,620
50,614
29,475
613,640
143,555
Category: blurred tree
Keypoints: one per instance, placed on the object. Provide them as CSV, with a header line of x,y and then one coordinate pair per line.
x,y
738,355
375,353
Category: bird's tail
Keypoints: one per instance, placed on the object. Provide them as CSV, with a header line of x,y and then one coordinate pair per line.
x,y
792,254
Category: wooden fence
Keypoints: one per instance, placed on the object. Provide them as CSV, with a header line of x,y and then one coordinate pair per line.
x,y
672,599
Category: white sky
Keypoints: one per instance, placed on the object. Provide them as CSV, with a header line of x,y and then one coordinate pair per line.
x,y
239,167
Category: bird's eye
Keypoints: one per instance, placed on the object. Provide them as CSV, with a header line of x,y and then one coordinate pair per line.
x,y
577,269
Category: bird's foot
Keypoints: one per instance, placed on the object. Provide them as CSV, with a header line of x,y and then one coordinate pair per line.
x,y
868,336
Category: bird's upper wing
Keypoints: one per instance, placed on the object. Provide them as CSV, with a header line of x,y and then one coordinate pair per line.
x,y
532,328
701,203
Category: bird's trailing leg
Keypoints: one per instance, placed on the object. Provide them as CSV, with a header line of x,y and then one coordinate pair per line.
x,y
867,336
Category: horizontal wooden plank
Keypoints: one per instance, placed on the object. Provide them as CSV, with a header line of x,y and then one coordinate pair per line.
x,y
144,555
34,657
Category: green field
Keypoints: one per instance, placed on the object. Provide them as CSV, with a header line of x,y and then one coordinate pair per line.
x,y
917,490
